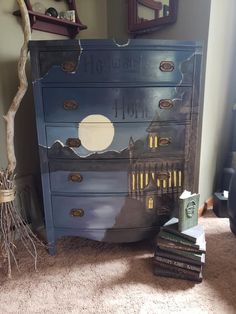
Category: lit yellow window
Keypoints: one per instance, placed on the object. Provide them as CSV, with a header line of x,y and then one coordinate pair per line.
x,y
133,182
150,203
141,180
155,141
150,141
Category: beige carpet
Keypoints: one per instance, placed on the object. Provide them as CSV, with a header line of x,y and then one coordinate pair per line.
x,y
91,277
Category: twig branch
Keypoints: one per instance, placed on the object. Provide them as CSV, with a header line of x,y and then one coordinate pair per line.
x,y
10,116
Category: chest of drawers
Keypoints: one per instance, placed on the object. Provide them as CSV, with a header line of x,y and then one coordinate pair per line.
x,y
118,134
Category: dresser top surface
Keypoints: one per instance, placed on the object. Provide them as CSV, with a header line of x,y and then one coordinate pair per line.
x,y
112,44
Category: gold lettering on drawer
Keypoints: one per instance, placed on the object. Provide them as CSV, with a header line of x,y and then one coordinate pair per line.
x,y
166,103
167,66
73,142
77,212
70,104
75,177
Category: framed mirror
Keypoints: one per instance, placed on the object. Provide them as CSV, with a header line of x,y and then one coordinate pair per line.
x,y
149,15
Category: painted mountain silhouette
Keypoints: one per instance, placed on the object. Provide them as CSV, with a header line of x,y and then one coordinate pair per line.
x,y
59,150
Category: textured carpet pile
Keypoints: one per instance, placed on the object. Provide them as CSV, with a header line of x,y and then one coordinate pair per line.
x,y
91,277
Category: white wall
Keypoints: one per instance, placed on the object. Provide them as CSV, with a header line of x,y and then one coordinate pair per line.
x,y
220,92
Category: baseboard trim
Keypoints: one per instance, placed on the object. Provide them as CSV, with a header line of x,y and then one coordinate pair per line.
x,y
207,205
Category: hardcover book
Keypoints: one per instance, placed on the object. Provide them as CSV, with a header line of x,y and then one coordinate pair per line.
x,y
180,264
164,234
177,257
188,210
198,258
163,243
195,235
165,272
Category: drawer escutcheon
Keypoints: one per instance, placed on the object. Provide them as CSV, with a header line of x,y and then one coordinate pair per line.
x,y
75,177
164,141
69,66
77,212
163,175
70,104
167,66
73,142
166,103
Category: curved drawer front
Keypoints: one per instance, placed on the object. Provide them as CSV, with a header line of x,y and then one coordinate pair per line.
x,y
122,65
119,104
115,140
104,212
116,176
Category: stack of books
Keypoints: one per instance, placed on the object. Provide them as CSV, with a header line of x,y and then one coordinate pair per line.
x,y
180,254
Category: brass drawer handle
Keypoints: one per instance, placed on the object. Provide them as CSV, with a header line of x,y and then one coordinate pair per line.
x,y
167,66
69,66
164,141
77,212
73,142
70,104
163,175
75,177
166,103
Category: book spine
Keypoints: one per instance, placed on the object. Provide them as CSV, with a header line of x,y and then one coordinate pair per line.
x,y
175,269
193,256
177,263
176,246
175,232
176,239
180,258
163,272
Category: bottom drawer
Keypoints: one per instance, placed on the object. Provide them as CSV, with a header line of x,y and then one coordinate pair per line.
x,y
113,211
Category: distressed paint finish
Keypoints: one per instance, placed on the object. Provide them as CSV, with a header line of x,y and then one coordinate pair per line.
x,y
127,187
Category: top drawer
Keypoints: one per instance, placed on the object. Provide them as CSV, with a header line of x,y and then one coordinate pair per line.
x,y
120,65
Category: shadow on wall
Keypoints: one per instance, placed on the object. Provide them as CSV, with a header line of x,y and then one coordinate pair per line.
x,y
25,129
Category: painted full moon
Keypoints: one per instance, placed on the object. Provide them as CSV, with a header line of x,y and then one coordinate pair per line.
x,y
96,132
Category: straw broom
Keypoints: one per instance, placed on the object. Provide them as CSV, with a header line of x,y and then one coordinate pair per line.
x,y
11,223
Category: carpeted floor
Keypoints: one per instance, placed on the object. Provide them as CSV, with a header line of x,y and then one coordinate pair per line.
x,y
91,277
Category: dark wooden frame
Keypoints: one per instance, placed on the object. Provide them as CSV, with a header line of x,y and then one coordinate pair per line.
x,y
148,26
54,25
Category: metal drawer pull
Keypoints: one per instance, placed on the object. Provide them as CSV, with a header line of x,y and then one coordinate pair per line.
x,y
167,66
73,142
70,104
166,103
164,141
77,212
69,66
163,175
75,177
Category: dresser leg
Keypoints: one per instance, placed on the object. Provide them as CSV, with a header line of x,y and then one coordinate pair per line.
x,y
52,248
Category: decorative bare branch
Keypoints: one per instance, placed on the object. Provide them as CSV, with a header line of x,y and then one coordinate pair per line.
x,y
10,116
11,223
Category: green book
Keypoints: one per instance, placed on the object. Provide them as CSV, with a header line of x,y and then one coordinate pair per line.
x,y
175,238
197,258
164,243
159,270
188,210
195,235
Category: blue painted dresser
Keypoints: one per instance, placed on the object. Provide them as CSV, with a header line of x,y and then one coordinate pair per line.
x,y
118,134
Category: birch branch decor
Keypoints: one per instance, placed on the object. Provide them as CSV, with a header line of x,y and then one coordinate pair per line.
x,y
11,222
